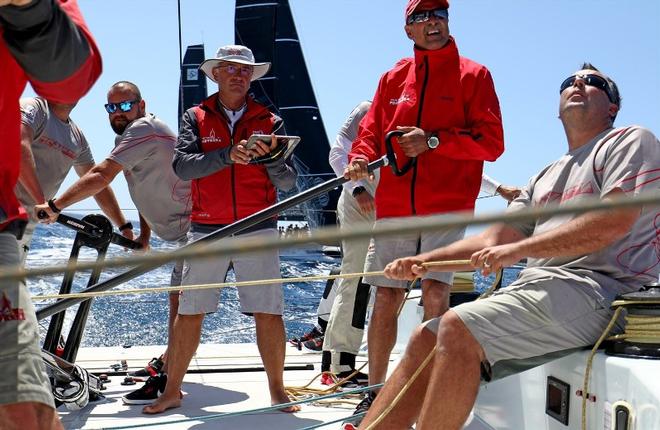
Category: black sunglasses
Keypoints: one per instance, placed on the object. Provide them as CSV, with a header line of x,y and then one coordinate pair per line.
x,y
124,106
426,15
591,80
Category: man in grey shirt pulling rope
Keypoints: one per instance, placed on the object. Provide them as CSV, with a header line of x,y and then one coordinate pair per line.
x,y
577,264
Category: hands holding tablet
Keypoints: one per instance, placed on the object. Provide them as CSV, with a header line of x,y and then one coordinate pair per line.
x,y
256,146
260,148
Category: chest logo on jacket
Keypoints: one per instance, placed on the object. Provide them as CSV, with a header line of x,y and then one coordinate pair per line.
x,y
211,138
403,99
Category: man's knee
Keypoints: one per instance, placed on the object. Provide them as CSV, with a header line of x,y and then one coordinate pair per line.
x,y
389,297
422,339
28,416
184,321
454,337
260,317
435,296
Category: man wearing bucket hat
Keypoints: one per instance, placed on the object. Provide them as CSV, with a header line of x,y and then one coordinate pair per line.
x,y
211,152
447,113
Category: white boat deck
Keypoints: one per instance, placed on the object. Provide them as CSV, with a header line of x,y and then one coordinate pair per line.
x,y
228,383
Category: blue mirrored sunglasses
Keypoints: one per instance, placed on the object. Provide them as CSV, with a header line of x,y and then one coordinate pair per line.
x,y
426,15
124,106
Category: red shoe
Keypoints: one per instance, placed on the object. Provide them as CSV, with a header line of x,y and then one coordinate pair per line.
x,y
312,334
327,379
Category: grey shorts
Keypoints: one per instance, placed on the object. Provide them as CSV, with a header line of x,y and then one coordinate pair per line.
x,y
537,318
177,270
247,267
22,374
383,250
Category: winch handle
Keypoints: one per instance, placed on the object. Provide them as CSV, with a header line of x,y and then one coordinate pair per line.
x,y
391,156
89,229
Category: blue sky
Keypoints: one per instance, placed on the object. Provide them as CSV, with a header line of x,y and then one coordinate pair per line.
x,y
530,46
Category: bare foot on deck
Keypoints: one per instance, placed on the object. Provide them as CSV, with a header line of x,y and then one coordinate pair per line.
x,y
283,398
161,405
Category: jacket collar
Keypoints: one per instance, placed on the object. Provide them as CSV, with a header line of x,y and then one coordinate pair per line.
x,y
251,110
447,52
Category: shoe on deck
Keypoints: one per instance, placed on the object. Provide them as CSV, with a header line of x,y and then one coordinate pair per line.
x,y
358,380
314,345
149,392
153,368
360,411
312,334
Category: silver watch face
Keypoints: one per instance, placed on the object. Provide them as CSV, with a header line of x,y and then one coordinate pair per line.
x,y
433,142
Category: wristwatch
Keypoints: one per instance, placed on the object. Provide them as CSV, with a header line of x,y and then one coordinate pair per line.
x,y
358,190
433,141
127,226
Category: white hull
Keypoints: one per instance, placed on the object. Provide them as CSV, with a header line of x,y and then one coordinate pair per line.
x,y
518,402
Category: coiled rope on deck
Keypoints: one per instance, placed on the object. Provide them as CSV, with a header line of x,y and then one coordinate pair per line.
x,y
638,328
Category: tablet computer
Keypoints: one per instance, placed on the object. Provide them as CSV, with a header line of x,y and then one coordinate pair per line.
x,y
283,149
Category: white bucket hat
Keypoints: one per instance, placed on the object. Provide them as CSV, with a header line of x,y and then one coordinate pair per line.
x,y
234,54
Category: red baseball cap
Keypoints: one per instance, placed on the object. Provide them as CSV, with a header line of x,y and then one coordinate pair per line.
x,y
414,5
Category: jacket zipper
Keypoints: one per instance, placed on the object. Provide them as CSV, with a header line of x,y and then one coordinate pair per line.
x,y
233,184
233,171
419,122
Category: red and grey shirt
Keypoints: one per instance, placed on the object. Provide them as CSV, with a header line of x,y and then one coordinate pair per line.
x,y
224,192
437,91
50,46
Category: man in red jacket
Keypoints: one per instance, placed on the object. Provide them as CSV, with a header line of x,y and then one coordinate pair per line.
x,y
47,44
227,185
446,108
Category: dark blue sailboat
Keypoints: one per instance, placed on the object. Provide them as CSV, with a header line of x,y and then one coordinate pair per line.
x,y
192,86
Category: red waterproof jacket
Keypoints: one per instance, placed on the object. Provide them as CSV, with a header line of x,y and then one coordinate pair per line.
x,y
236,191
440,92
61,62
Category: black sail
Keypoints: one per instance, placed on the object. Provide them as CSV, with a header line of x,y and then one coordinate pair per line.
x,y
268,29
192,85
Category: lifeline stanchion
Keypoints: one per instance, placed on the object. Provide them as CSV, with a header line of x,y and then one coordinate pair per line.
x,y
87,294
324,235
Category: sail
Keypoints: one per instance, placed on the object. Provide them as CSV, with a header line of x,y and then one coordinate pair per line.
x,y
268,29
192,85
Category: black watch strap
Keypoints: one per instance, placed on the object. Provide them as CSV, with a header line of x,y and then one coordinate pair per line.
x,y
358,190
127,226
51,205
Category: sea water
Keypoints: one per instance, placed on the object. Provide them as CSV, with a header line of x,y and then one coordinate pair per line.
x,y
141,319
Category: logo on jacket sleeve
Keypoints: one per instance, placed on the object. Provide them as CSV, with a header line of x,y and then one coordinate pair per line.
x,y
7,313
211,138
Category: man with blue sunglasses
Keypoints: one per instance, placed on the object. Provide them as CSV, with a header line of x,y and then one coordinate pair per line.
x,y
52,144
144,148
